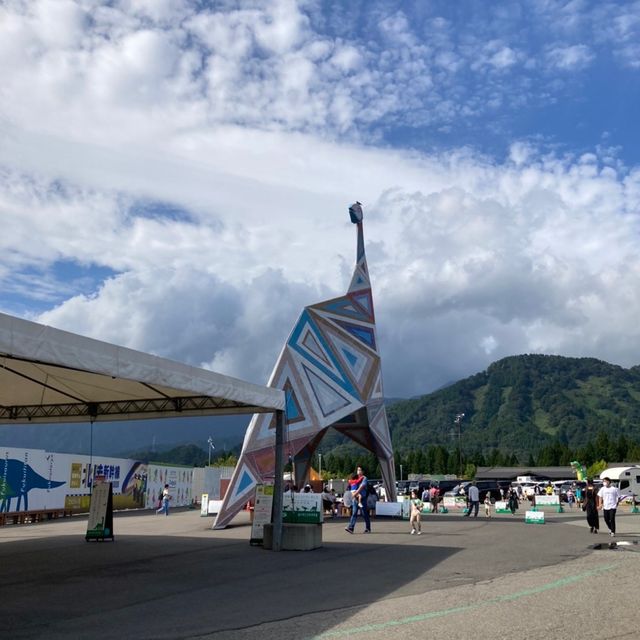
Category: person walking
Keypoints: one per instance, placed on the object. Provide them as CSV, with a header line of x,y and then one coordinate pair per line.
x,y
360,491
608,498
590,507
372,499
434,497
166,496
513,502
416,513
473,498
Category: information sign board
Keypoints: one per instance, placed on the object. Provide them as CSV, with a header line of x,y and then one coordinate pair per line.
x,y
100,523
262,509
302,508
534,517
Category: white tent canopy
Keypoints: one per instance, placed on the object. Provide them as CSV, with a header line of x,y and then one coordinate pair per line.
x,y
48,375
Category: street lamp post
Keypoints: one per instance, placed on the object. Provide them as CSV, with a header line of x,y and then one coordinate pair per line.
x,y
320,465
458,421
400,473
210,441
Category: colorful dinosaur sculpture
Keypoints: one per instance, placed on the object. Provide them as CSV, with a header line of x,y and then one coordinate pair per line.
x,y
330,371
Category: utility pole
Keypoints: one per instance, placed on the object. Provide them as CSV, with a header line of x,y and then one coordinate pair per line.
x,y
210,441
458,421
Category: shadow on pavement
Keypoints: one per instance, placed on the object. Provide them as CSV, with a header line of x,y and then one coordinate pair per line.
x,y
177,586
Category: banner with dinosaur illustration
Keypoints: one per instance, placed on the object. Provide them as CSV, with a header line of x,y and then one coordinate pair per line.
x,y
33,479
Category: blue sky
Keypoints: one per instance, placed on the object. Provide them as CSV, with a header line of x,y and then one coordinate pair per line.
x,y
175,176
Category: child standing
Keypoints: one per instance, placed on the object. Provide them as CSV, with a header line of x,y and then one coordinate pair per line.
x,y
416,512
487,505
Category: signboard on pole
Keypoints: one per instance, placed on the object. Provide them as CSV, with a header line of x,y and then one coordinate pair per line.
x,y
100,523
261,512
204,505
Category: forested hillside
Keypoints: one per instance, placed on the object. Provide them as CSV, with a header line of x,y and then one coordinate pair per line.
x,y
523,403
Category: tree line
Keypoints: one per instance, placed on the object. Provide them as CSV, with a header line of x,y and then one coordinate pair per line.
x,y
595,455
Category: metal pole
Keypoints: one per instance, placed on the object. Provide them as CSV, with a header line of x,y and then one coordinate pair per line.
x,y
459,422
90,478
320,465
400,473
276,515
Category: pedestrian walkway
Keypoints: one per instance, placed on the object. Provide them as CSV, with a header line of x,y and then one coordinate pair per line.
x,y
174,577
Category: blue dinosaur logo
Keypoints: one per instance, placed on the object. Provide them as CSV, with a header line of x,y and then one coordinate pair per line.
x,y
17,478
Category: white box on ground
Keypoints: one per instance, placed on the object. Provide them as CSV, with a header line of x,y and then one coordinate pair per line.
x,y
393,509
214,506
534,517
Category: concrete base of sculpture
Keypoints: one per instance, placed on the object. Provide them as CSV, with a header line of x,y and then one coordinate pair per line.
x,y
295,537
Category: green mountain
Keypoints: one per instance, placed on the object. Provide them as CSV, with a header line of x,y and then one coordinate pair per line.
x,y
521,404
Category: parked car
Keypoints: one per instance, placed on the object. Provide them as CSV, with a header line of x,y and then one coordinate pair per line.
x,y
484,486
491,487
402,487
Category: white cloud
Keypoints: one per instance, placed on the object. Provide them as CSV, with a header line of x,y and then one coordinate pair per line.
x,y
461,249
205,159
503,58
570,58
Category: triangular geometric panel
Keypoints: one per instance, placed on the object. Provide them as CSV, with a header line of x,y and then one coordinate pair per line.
x,y
367,335
245,480
360,280
287,377
294,411
344,306
377,392
357,360
306,340
361,364
329,365
363,300
310,342
329,399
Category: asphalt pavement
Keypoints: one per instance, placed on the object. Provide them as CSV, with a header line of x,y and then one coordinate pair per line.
x,y
464,578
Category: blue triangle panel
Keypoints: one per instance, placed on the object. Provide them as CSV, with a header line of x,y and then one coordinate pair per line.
x,y
364,334
245,481
292,408
350,357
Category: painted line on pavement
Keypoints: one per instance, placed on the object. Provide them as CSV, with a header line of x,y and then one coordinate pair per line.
x,y
556,584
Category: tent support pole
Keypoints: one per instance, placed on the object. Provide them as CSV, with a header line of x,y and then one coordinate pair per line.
x,y
90,478
277,483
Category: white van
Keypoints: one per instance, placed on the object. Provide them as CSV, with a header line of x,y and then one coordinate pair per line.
x,y
627,479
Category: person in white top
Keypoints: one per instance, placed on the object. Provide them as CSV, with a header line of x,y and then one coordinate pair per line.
x,y
608,498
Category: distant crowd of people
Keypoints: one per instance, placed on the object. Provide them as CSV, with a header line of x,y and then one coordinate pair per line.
x,y
360,497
